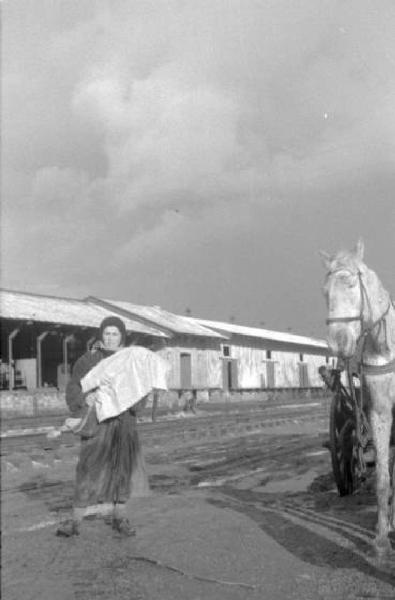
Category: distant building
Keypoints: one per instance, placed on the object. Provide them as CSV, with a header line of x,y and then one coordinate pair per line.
x,y
42,336
256,358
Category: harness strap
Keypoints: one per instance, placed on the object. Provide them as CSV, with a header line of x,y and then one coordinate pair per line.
x,y
355,317
358,415
330,320
379,369
385,313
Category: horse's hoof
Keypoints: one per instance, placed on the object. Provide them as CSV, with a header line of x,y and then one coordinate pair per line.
x,y
385,561
122,526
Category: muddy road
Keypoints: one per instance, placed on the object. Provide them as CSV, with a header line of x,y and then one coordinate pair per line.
x,y
238,513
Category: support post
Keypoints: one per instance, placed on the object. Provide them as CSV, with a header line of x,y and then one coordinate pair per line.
x,y
155,400
39,340
194,401
11,377
66,340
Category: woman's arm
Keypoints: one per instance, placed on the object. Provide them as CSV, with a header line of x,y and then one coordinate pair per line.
x,y
75,398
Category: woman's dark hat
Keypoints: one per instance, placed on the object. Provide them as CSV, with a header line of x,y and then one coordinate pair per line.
x,y
113,322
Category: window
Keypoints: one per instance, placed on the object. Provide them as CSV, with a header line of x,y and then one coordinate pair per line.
x,y
301,357
268,354
226,350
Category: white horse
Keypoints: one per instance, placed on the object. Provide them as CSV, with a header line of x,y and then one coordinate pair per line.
x,y
359,308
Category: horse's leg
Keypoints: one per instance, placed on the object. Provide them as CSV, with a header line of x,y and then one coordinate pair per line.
x,y
380,418
392,512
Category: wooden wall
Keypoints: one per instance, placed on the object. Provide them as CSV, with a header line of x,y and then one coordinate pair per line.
x,y
252,364
205,361
253,368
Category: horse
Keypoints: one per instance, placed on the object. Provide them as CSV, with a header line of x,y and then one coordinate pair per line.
x,y
361,313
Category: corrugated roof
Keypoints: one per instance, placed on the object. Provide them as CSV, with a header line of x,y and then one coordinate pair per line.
x,y
162,318
89,313
65,311
266,334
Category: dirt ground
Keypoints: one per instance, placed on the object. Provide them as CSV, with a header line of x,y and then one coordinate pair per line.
x,y
239,517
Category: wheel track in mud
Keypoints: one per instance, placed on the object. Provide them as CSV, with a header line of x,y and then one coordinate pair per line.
x,y
239,458
188,443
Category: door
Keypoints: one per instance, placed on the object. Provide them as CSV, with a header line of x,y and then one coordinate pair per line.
x,y
270,374
226,383
234,374
303,376
185,371
230,374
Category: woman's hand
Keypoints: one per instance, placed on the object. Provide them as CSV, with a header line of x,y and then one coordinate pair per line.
x,y
90,398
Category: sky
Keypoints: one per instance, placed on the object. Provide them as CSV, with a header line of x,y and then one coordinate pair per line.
x,y
197,154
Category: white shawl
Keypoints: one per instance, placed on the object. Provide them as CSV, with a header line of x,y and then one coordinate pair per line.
x,y
125,378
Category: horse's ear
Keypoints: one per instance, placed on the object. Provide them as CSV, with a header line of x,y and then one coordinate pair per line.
x,y
326,259
359,249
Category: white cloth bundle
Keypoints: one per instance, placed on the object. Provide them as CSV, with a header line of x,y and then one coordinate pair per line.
x,y
125,378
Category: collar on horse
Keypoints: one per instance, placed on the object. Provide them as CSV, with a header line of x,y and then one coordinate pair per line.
x,y
368,369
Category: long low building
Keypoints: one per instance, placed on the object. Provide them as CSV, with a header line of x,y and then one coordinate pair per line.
x,y
255,358
42,336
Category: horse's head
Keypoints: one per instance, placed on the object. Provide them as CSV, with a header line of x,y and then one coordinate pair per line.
x,y
343,292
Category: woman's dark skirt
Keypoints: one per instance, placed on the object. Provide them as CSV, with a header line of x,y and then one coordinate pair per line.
x,y
111,466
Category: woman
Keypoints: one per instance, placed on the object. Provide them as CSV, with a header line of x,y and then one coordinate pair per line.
x,y
110,464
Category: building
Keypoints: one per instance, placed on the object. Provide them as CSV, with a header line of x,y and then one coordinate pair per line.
x,y
255,358
192,349
42,336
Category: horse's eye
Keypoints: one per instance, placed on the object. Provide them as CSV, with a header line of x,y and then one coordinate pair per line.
x,y
348,280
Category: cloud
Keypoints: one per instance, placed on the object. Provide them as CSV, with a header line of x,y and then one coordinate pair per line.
x,y
116,117
173,96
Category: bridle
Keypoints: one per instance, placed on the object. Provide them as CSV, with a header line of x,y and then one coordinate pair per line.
x,y
364,302
369,369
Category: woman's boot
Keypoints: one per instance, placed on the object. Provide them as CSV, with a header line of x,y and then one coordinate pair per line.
x,y
71,527
120,522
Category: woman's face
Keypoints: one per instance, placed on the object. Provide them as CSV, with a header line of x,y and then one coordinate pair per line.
x,y
112,338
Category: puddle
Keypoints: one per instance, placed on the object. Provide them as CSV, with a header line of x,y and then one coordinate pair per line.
x,y
166,484
317,453
300,483
240,480
40,525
